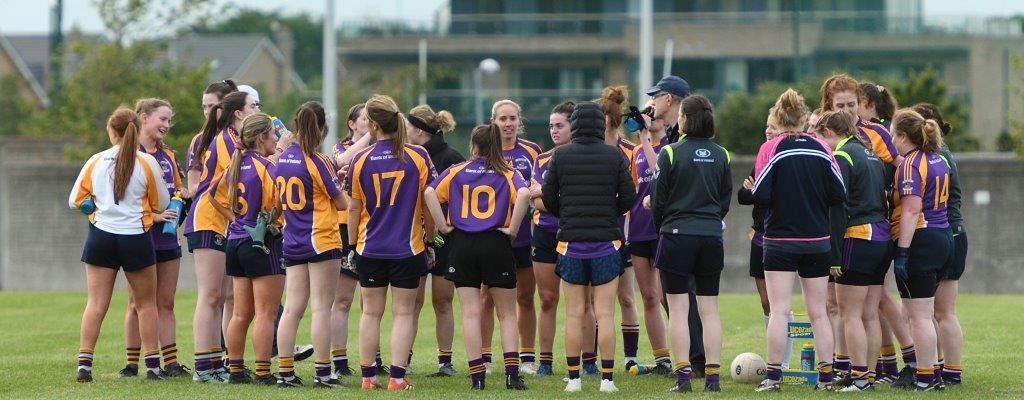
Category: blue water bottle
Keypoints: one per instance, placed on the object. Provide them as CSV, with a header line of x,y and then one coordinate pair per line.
x,y
807,357
87,206
171,225
279,128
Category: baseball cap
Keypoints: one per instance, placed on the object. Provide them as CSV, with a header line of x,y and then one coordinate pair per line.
x,y
251,91
671,84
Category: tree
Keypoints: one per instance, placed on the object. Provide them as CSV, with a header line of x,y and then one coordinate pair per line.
x,y
14,109
128,20
926,86
740,117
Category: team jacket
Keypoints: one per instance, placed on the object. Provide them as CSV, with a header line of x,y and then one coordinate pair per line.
x,y
692,188
864,214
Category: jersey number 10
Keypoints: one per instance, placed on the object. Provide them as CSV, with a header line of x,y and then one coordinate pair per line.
x,y
471,202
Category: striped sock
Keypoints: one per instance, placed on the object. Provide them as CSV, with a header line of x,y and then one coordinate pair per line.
x,y
85,359
607,369
339,355
661,356
262,368
711,373
589,358
236,368
485,354
888,361
872,377
925,376
630,341
527,355
573,365
170,354
842,363
444,356
153,361
511,363
398,374
859,373
217,358
825,372
323,368
476,370
909,356
132,355
286,367
203,364
774,372
683,371
952,373
547,358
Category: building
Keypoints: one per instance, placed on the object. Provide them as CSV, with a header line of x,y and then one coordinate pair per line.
x,y
31,87
248,59
552,51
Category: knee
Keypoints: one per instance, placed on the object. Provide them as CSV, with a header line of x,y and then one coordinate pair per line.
x,y
442,305
548,301
165,304
944,316
652,301
783,312
343,305
441,299
525,299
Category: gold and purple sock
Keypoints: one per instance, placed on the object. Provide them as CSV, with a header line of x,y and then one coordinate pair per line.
x,y
872,376
925,376
132,356
477,371
547,358
217,358
888,359
85,356
511,363
661,356
203,364
152,359
368,371
683,372
774,372
939,366
952,373
286,367
825,372
339,356
607,369
527,355
711,373
485,354
859,373
398,374
262,368
842,363
572,364
444,357
589,359
170,354
236,368
909,356
630,341
322,368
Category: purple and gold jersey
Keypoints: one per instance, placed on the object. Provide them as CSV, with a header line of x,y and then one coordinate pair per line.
x,y
391,191
479,199
641,225
203,216
879,139
256,192
338,149
172,176
522,157
924,175
876,232
307,185
588,250
628,149
543,220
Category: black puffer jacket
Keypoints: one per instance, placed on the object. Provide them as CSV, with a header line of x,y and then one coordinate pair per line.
x,y
588,184
441,154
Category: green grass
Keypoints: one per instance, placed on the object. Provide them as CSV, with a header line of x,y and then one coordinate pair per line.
x,y
39,339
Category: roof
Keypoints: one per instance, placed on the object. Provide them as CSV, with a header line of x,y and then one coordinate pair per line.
x,y
35,51
23,69
229,55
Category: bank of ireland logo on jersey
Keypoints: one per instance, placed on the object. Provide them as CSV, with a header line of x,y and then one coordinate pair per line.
x,y
703,153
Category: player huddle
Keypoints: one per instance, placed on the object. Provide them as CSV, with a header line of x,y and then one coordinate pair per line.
x,y
624,200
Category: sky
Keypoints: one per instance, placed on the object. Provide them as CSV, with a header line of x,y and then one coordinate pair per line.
x,y
32,16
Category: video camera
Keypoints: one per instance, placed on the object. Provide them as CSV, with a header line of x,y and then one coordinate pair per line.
x,y
635,119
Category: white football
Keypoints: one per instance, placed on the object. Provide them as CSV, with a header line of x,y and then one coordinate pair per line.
x,y
748,368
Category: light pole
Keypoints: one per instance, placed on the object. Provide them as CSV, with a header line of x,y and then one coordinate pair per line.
x,y
488,66
330,81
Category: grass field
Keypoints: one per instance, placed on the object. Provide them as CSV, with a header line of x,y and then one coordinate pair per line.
x,y
39,339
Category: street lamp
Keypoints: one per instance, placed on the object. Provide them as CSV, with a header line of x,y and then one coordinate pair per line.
x,y
488,66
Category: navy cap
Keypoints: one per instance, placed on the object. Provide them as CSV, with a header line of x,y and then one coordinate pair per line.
x,y
671,84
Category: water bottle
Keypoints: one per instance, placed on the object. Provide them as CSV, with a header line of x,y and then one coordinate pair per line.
x,y
87,206
640,369
279,128
171,225
807,357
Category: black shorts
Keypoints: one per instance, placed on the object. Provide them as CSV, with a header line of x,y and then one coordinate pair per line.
x,y
644,248
865,262
682,256
168,255
344,251
442,258
812,265
205,240
756,261
929,252
105,249
626,257
544,244
244,261
522,256
403,273
481,258
591,272
332,254
954,269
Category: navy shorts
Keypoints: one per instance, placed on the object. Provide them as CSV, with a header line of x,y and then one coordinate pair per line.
x,y
929,252
523,256
110,250
205,240
403,273
865,262
593,272
244,261
682,256
481,258
644,248
332,254
954,269
544,244
810,265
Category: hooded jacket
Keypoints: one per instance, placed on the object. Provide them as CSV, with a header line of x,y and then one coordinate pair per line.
x,y
588,185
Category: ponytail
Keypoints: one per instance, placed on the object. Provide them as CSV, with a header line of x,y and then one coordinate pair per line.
x,y
932,135
221,116
789,111
879,96
700,118
253,127
310,126
436,122
926,134
125,123
487,140
383,111
233,172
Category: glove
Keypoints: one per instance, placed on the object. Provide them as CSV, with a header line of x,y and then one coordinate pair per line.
x,y
901,263
349,262
259,233
438,240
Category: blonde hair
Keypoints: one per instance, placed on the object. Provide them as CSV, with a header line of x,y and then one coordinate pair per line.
x,y
383,111
923,133
789,110
253,127
498,104
442,121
